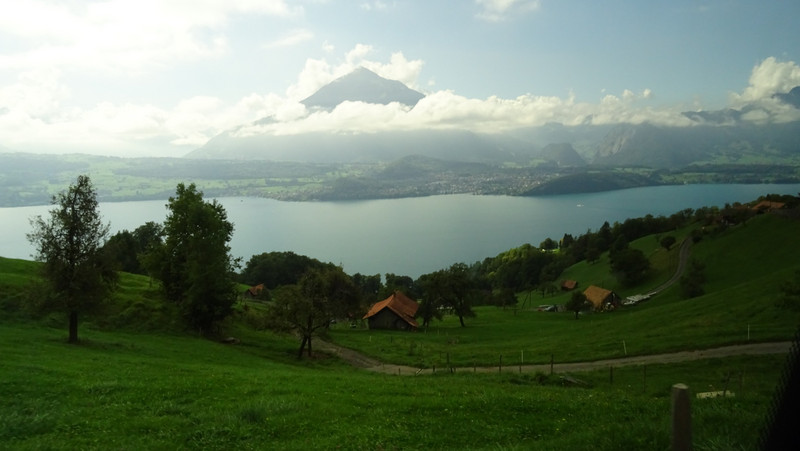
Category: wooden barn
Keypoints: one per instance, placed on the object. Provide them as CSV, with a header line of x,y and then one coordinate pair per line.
x,y
569,285
601,299
395,312
254,291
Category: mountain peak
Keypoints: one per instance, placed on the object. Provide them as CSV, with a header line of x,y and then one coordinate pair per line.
x,y
362,85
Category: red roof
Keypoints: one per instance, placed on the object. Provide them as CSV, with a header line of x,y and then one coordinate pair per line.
x,y
256,290
569,284
768,205
400,304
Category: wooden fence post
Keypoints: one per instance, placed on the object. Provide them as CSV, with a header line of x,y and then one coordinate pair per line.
x,y
681,418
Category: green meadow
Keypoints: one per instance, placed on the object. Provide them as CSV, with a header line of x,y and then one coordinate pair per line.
x,y
139,381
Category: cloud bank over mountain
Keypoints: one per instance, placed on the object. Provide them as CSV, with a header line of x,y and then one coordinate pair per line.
x,y
163,77
31,108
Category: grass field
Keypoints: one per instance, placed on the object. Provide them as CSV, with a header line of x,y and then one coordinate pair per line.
x,y
154,391
138,381
745,267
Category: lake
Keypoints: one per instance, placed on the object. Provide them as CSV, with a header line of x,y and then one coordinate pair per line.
x,y
410,236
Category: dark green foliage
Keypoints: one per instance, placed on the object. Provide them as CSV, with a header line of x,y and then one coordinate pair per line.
x,y
68,243
127,249
577,302
789,297
370,286
667,242
454,288
736,213
321,296
274,269
691,283
194,263
548,244
429,307
504,297
519,268
395,282
630,266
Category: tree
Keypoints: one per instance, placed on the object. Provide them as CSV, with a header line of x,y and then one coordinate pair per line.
x,y
548,244
69,244
789,297
630,266
453,288
691,283
576,303
321,295
667,242
194,263
274,269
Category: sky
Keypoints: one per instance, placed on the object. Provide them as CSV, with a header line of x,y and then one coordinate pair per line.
x,y
161,77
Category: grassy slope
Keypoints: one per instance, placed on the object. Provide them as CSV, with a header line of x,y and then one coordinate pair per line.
x,y
151,391
745,266
128,389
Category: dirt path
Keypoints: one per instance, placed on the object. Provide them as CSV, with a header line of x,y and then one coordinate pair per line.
x,y
683,257
361,361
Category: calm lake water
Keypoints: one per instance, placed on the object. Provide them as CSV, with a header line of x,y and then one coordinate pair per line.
x,y
409,236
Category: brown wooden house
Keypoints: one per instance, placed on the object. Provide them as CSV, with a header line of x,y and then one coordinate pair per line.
x,y
569,285
601,299
395,312
254,291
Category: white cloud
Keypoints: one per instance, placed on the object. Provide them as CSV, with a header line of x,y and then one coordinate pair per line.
x,y
768,78
500,10
35,113
292,38
447,110
375,5
123,35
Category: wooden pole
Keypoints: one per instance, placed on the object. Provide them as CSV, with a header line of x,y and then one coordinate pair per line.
x,y
681,418
551,364
500,366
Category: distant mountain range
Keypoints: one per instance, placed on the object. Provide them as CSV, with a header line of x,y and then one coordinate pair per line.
x,y
718,137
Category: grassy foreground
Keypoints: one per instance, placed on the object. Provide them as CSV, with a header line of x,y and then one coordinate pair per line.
x,y
149,391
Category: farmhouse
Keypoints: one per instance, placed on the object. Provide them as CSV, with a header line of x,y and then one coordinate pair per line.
x,y
395,312
766,205
254,291
601,299
569,285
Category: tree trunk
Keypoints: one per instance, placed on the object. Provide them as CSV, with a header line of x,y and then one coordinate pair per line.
x,y
461,319
309,346
576,314
73,326
302,346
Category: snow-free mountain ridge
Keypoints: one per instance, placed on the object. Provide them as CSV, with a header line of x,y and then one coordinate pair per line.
x,y
716,136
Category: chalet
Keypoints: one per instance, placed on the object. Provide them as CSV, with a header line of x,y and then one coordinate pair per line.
x,y
601,299
568,285
254,291
765,206
395,312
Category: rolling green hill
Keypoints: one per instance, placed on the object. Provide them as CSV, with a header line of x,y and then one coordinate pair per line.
x,y
139,381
